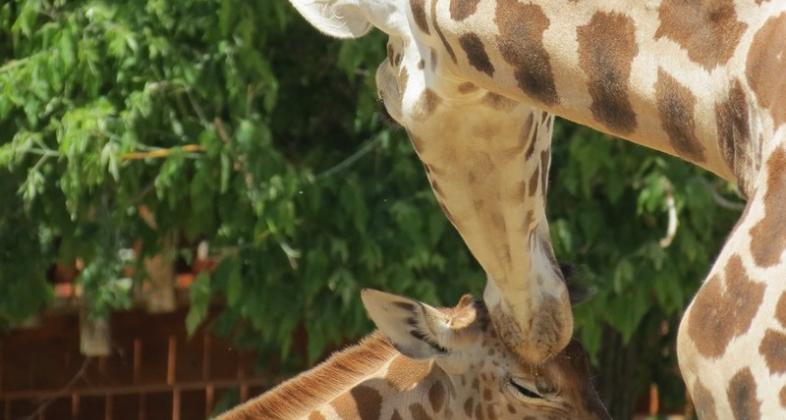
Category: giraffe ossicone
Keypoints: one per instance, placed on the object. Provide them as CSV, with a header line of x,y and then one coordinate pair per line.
x,y
432,363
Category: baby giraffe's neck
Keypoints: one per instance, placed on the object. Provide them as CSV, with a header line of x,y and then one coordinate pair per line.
x,y
370,380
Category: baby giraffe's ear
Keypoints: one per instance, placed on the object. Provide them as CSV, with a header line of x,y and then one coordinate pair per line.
x,y
336,18
416,329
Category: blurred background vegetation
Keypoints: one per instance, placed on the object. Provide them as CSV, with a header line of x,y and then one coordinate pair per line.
x,y
235,124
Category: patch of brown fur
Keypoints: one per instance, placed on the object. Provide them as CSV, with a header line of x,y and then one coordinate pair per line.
x,y
317,386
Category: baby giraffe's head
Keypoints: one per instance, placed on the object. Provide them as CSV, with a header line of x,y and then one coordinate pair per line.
x,y
482,379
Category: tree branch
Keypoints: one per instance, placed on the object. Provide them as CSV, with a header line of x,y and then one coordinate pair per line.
x,y
162,153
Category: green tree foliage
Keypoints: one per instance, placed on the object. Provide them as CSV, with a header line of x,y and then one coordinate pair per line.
x,y
235,122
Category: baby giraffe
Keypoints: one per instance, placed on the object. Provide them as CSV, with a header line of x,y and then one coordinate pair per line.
x,y
429,363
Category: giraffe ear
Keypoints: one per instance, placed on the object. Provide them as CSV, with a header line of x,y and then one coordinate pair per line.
x,y
416,329
336,18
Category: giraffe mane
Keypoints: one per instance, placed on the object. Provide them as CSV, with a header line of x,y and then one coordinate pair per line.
x,y
320,385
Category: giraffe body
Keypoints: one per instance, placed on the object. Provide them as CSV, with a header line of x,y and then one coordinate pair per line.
x,y
702,80
432,363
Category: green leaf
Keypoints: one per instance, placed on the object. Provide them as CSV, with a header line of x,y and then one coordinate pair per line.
x,y
199,297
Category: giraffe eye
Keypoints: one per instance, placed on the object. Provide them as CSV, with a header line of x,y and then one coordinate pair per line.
x,y
525,390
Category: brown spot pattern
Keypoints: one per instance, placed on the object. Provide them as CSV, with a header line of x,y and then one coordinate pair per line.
x,y
703,401
708,30
395,416
405,305
403,79
436,396
782,396
442,38
479,412
765,64
404,373
545,162
521,27
742,396
369,402
418,412
491,413
533,182
532,139
467,87
468,404
719,315
426,105
607,46
419,14
780,310
768,236
773,348
462,9
476,53
498,102
676,105
731,116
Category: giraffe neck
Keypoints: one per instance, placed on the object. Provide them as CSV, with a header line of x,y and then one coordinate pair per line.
x,y
634,70
368,380
488,166
731,339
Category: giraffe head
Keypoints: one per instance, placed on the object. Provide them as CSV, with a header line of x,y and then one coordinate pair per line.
x,y
482,377
486,157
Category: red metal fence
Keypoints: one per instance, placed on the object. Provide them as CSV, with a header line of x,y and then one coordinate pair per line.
x,y
154,371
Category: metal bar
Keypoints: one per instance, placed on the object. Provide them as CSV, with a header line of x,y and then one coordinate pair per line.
x,y
210,396
241,375
142,407
205,356
137,359
108,407
171,360
2,348
244,391
75,406
176,404
138,389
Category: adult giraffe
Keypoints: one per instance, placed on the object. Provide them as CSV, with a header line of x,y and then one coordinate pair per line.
x,y
702,80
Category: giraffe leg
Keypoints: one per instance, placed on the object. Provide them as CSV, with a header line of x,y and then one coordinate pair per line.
x,y
732,339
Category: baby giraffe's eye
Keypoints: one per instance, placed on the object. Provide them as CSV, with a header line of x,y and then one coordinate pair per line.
x,y
524,390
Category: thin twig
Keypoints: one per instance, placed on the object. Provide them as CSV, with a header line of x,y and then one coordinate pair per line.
x,y
674,221
162,153
10,65
43,406
719,199
350,160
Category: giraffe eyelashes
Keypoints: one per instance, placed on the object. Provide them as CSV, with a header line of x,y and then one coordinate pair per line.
x,y
524,390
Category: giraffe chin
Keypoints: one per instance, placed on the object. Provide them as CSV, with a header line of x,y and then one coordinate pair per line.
x,y
536,334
